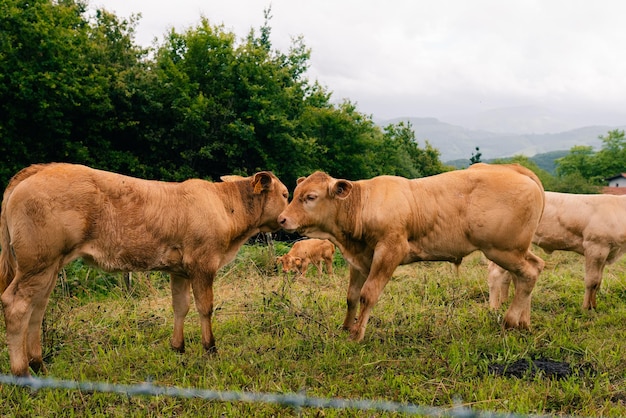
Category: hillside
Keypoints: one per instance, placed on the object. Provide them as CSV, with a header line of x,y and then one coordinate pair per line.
x,y
545,161
456,142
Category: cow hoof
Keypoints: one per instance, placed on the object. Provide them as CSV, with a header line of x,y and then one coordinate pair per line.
x,y
211,350
38,367
510,323
179,349
356,335
513,324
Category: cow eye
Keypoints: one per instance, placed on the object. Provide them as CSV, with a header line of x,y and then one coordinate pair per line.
x,y
286,195
311,197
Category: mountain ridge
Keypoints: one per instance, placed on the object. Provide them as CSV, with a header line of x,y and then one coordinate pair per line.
x,y
456,142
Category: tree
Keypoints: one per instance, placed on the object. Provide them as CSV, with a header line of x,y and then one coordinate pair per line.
x,y
77,88
567,183
344,141
546,178
611,159
579,160
401,155
63,81
232,108
583,162
40,79
475,158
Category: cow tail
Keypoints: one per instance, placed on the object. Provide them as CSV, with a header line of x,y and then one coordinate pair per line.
x,y
7,258
536,179
531,174
528,173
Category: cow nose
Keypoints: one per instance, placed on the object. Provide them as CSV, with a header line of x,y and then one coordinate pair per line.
x,y
282,220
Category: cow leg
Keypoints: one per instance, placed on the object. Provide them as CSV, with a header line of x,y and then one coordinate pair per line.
x,y
203,295
25,295
382,268
499,281
319,268
181,299
595,260
33,343
304,268
329,266
354,293
525,270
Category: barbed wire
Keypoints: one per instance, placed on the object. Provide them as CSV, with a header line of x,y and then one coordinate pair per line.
x,y
294,400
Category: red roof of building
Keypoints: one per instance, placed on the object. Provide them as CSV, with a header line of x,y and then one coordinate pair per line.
x,y
614,190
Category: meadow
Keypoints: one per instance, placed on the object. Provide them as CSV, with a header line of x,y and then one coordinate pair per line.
x,y
432,340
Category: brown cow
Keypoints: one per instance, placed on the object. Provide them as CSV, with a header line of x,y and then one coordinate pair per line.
x,y
590,225
386,221
55,213
308,251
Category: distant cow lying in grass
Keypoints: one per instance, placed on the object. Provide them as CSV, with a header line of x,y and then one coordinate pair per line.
x,y
590,225
308,251
55,213
387,221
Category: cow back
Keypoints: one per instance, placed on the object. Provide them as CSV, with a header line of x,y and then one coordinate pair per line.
x,y
124,223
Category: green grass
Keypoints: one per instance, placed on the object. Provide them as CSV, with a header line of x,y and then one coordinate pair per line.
x,y
430,341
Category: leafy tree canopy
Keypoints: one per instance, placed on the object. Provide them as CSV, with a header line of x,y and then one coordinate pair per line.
x,y
595,167
201,104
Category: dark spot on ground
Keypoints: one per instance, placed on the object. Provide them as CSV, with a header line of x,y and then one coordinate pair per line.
x,y
544,367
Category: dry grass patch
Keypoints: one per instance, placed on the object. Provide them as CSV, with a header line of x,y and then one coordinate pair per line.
x,y
431,341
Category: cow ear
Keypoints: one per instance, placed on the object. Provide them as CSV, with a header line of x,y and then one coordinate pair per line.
x,y
300,180
231,177
261,181
341,189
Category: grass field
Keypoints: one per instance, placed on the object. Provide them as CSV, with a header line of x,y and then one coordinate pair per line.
x,y
431,341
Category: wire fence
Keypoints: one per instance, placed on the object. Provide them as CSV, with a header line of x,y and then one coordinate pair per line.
x,y
293,400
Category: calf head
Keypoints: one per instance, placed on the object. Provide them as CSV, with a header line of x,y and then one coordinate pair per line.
x,y
314,207
290,263
274,196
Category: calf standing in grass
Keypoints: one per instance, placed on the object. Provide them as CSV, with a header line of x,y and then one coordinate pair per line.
x,y
308,251
386,221
591,225
55,213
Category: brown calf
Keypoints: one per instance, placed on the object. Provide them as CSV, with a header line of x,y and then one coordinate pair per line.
x,y
308,251
55,213
386,221
591,225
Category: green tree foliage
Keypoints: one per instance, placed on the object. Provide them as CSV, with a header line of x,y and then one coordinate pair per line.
x,y
573,183
201,104
475,158
63,81
565,183
578,161
583,162
41,66
611,159
546,178
401,155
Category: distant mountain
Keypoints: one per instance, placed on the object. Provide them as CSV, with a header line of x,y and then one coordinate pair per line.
x,y
519,120
545,161
456,142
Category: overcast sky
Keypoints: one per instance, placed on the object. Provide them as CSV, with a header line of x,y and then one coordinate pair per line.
x,y
434,58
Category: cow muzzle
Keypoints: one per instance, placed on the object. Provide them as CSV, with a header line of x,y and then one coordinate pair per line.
x,y
287,224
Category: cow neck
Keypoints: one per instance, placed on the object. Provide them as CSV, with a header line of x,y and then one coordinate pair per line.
x,y
243,207
349,211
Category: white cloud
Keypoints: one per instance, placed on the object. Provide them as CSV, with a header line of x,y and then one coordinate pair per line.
x,y
407,58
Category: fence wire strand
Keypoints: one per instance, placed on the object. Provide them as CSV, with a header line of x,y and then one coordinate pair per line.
x,y
293,400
